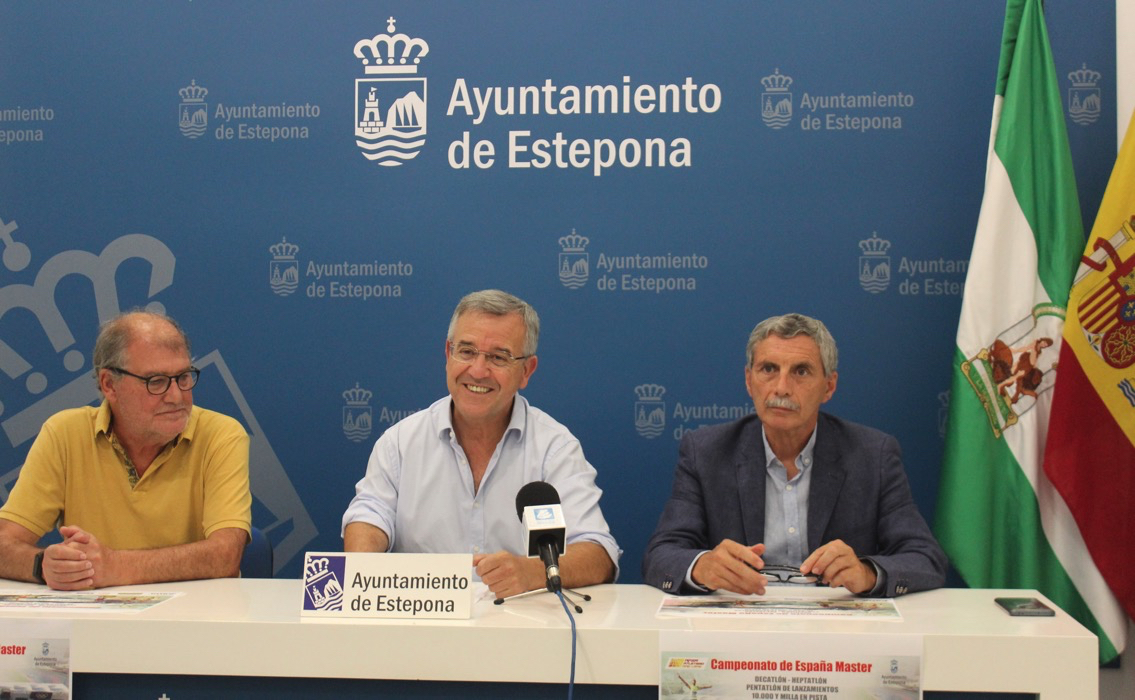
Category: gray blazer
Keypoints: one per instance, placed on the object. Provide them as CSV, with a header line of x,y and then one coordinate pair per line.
x,y
859,494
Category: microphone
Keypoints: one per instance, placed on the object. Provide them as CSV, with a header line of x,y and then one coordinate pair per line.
x,y
538,507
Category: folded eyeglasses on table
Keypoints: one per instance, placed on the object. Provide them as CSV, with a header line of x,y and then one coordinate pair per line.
x,y
782,573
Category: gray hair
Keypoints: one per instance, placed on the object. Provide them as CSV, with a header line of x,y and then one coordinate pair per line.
x,y
498,303
115,336
790,326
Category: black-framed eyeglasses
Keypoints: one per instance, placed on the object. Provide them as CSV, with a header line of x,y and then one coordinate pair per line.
x,y
158,384
467,354
790,574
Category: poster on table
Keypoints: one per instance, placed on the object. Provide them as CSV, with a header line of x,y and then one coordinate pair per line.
x,y
35,659
789,666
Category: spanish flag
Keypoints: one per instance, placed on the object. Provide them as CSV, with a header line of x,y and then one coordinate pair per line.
x,y
1090,454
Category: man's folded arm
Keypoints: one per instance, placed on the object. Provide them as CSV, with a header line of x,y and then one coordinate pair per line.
x,y
359,536
216,556
17,551
586,564
681,534
909,556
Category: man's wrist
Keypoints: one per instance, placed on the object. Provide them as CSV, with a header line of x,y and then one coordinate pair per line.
x,y
37,568
880,585
690,580
536,576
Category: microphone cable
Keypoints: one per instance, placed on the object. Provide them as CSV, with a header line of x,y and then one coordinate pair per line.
x,y
571,678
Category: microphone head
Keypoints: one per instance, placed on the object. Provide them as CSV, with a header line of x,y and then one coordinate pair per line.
x,y
536,493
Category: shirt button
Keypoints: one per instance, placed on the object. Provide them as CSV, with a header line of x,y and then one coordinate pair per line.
x,y
476,549
788,488
792,531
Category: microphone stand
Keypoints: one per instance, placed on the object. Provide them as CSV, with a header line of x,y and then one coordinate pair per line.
x,y
569,593
549,553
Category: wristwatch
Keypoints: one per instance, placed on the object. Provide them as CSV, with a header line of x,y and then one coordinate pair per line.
x,y
37,568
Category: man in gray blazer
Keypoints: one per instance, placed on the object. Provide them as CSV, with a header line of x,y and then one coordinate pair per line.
x,y
792,487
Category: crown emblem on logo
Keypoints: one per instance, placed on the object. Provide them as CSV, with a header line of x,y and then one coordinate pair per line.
x,y
193,92
390,108
1084,98
573,242
776,82
192,113
391,53
358,417
316,569
321,583
874,245
649,410
649,392
874,264
283,268
574,262
776,100
283,250
357,396
1084,77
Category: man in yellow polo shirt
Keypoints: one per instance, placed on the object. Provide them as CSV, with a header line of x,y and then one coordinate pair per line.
x,y
144,488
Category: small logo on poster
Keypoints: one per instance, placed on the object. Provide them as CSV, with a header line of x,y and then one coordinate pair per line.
x,y
390,111
874,264
323,583
1084,96
776,100
284,269
193,113
574,260
649,410
358,416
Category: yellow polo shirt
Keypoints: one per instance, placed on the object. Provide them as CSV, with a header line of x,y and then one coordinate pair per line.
x,y
74,476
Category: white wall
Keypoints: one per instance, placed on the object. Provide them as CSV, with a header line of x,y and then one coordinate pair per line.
x,y
1125,63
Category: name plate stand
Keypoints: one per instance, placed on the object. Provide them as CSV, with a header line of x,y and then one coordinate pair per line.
x,y
360,584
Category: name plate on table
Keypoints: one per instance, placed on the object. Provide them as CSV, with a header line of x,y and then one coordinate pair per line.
x,y
361,584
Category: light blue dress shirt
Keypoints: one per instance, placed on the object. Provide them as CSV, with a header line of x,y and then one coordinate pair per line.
x,y
786,511
786,506
418,487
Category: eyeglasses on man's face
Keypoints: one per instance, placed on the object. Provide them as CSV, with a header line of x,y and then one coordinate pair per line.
x,y
790,574
159,384
467,354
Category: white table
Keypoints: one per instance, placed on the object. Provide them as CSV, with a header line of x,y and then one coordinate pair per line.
x,y
970,643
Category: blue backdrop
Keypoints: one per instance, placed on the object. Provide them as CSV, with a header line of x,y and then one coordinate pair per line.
x,y
309,187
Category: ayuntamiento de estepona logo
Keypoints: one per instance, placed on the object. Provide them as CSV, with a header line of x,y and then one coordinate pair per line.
x,y
390,103
193,112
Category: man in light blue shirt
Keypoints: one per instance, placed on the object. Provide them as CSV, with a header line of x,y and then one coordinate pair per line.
x,y
445,479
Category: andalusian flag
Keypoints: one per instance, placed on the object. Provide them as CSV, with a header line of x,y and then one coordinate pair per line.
x,y
999,518
1091,440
